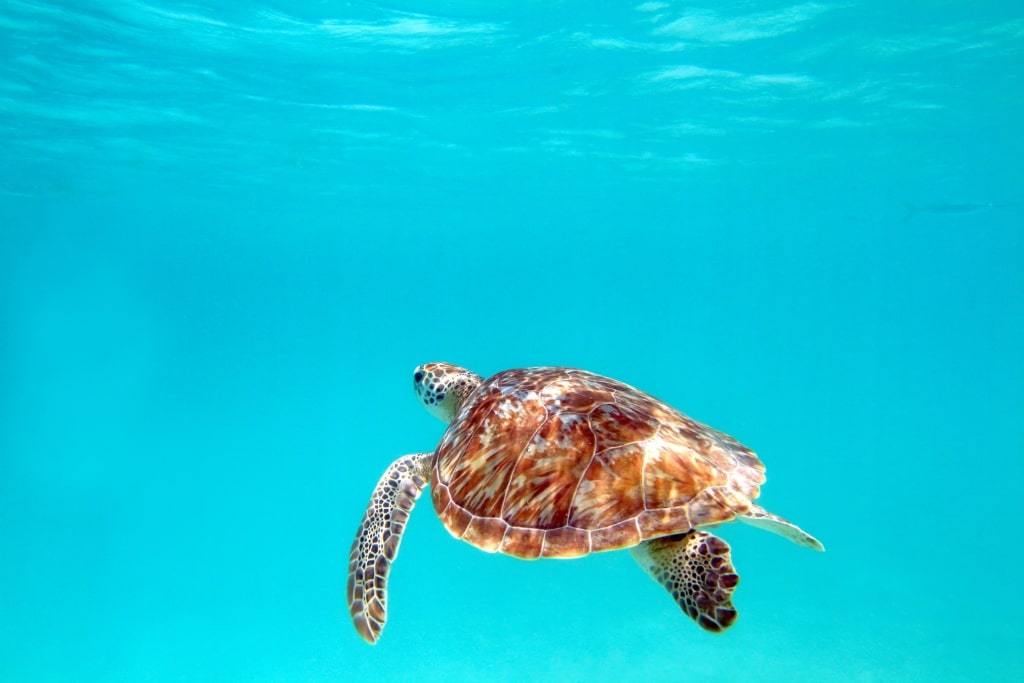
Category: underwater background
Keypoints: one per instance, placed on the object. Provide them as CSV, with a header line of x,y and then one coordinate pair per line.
x,y
230,230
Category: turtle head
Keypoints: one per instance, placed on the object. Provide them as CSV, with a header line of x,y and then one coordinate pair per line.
x,y
443,388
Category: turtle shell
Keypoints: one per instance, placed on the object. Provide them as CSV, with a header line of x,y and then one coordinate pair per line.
x,y
558,462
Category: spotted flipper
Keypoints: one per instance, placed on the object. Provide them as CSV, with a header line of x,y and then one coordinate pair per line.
x,y
377,540
696,569
761,518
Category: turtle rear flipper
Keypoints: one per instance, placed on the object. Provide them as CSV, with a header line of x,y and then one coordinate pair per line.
x,y
376,543
696,569
761,518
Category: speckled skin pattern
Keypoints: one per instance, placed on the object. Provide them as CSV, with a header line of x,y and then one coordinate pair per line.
x,y
696,569
377,541
557,462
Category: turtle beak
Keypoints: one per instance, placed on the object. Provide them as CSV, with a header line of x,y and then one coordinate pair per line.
x,y
432,389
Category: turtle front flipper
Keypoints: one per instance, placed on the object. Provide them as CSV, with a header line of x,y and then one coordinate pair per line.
x,y
376,543
695,568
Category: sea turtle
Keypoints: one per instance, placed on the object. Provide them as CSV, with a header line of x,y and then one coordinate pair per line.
x,y
558,462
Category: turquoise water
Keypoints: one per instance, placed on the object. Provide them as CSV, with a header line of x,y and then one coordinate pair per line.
x,y
229,231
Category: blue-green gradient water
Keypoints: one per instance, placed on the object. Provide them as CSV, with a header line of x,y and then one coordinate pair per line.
x,y
230,230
